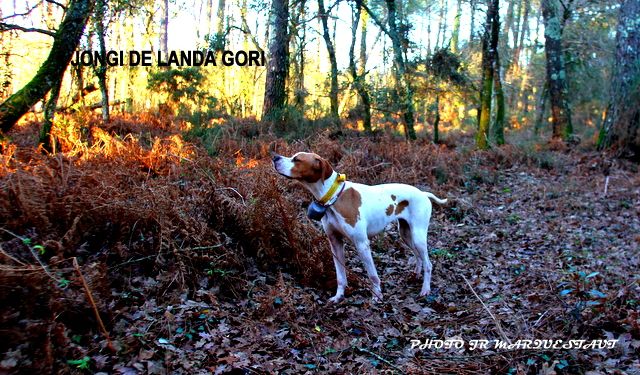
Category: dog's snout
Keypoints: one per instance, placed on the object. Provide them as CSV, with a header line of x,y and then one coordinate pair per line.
x,y
275,157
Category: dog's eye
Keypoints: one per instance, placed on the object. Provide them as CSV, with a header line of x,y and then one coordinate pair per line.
x,y
295,160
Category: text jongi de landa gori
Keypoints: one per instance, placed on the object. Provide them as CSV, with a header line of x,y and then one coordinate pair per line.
x,y
171,58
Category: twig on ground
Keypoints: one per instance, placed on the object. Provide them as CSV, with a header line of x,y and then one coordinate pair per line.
x,y
363,350
93,305
498,325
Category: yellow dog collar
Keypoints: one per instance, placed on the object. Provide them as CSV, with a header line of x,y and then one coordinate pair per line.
x,y
332,190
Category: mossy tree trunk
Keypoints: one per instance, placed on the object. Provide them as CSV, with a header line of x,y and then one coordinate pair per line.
x,y
65,42
275,96
489,50
101,70
556,72
49,113
621,128
358,78
333,92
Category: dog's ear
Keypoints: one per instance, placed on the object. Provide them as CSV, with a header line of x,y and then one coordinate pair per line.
x,y
322,166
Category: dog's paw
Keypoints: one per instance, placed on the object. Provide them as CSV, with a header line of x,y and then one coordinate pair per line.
x,y
425,292
336,299
377,297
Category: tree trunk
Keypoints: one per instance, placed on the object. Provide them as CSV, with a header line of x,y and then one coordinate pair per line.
x,y
441,24
621,128
101,70
456,28
218,41
498,126
402,79
472,22
436,121
363,38
542,107
49,113
489,48
556,72
299,57
358,79
333,93
209,16
64,43
507,23
275,96
164,27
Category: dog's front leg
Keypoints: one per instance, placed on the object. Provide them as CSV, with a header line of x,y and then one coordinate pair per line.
x,y
364,251
337,248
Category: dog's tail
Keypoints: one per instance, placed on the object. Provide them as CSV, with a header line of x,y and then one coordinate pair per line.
x,y
435,199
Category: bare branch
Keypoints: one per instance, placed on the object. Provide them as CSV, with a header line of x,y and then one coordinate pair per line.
x,y
247,32
22,14
8,27
373,17
57,3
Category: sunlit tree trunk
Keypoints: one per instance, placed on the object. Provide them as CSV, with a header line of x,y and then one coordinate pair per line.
x,y
209,15
358,78
333,92
455,33
489,48
275,96
621,128
64,43
556,72
164,26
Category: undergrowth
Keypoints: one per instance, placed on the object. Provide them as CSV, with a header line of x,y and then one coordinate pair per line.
x,y
149,205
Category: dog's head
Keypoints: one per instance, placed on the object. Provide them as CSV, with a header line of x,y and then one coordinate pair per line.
x,y
303,166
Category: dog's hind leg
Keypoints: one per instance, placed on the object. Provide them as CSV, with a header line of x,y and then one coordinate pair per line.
x,y
405,233
419,238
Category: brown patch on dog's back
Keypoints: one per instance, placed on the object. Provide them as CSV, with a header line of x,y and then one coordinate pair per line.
x,y
389,210
401,206
348,206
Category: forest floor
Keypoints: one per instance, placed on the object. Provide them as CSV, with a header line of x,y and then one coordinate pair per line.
x,y
200,264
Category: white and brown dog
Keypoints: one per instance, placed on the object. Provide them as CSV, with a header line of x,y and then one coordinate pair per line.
x,y
356,211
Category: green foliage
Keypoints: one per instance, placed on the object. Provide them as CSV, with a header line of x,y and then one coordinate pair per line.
x,y
179,84
82,363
